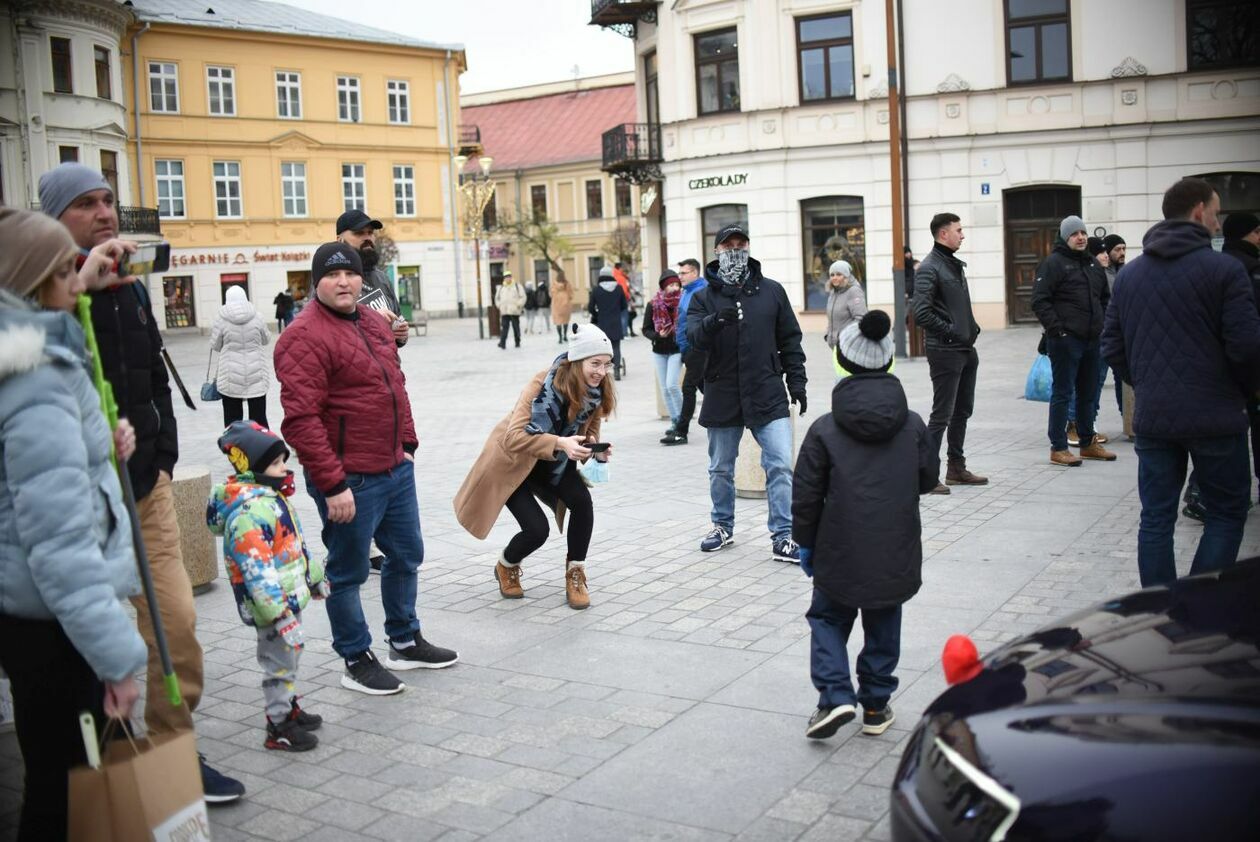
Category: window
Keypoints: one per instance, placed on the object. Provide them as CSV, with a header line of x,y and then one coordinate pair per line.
x,y
490,216
399,96
163,87
68,153
593,265
651,89
824,47
62,65
178,290
594,200
170,188
1038,41
222,85
404,190
542,272
538,200
354,186
713,219
109,169
227,189
348,99
832,228
625,206
717,71
293,188
1222,33
289,95
104,80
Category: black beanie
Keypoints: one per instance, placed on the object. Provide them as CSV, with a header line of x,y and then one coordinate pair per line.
x,y
251,447
1111,241
332,256
1095,246
1239,225
667,276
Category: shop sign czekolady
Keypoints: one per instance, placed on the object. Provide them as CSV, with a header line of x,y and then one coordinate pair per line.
x,y
729,180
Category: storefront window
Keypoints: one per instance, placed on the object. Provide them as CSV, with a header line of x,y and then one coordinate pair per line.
x,y
236,279
714,218
832,228
180,310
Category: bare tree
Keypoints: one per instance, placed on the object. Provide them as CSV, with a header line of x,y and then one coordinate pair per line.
x,y
538,236
624,244
386,248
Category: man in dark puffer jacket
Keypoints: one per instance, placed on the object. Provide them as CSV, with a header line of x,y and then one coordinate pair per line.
x,y
1184,330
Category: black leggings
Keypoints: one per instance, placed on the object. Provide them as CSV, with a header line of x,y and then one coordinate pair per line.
x,y
234,410
562,332
534,521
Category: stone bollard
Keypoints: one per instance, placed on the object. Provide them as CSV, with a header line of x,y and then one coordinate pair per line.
x,y
191,488
750,477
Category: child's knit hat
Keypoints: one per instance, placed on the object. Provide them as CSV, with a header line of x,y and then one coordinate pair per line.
x,y
587,341
865,346
250,447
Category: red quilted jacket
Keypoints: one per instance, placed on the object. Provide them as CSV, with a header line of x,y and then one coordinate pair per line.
x,y
345,401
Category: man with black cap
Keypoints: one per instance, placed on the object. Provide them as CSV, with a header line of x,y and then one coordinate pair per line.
x,y
357,230
1113,245
746,324
1242,242
347,414
130,349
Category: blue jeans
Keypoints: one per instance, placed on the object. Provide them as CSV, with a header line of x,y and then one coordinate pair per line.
x,y
1220,466
775,439
385,508
1102,378
668,374
1074,364
830,624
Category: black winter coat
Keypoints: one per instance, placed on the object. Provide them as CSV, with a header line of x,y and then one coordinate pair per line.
x,y
749,362
1070,294
606,307
660,344
942,302
1249,256
855,493
131,356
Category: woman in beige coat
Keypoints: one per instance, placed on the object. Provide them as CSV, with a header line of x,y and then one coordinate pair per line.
x,y
561,306
532,456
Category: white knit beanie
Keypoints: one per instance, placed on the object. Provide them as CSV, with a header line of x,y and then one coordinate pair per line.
x,y
864,345
587,341
841,267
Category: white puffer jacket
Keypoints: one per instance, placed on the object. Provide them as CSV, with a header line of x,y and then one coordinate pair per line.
x,y
239,335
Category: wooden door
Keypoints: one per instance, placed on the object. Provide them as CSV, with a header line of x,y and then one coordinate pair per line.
x,y
1032,217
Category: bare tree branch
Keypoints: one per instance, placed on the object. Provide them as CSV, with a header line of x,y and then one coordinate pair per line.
x,y
538,237
624,244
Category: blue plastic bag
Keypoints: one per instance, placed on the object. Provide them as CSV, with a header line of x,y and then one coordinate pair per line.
x,y
1040,380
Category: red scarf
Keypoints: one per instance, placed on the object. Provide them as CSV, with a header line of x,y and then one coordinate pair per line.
x,y
665,311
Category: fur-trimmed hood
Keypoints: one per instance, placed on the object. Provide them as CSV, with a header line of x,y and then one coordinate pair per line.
x,y
30,336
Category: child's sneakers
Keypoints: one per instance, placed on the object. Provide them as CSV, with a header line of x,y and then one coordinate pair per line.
x,y
827,721
876,722
307,721
289,736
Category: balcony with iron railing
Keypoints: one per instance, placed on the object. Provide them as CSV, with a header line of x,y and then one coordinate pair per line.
x,y
133,220
623,15
633,151
469,139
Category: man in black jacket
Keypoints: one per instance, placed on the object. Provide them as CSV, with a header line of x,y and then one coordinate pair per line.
x,y
942,307
130,348
745,323
1242,242
1070,297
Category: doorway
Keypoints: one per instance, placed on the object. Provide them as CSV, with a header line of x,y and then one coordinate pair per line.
x,y
496,280
227,281
1032,217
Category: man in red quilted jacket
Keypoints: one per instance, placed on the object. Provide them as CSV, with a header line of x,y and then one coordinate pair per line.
x,y
347,415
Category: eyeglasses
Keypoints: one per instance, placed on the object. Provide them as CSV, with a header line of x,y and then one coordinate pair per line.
x,y
602,367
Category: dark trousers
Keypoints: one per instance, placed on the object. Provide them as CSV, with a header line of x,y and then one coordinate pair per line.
x,y
616,343
1220,466
234,410
830,624
562,332
535,523
52,685
693,380
1253,412
1074,363
953,397
515,322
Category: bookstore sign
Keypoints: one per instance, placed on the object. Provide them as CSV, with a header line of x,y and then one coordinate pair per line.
x,y
238,258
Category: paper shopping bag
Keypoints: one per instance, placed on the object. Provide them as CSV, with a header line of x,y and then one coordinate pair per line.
x,y
145,790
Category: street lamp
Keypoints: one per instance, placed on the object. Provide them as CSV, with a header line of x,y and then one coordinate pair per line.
x,y
475,192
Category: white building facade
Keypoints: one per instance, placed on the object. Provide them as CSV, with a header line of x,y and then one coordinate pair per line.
x,y
1017,113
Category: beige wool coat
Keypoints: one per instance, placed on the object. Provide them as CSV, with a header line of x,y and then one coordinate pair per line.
x,y
509,455
561,302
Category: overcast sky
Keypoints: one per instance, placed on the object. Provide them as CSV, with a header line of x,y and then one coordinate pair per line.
x,y
509,43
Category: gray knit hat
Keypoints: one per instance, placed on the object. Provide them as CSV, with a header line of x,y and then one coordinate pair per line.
x,y
63,184
605,271
841,267
865,345
587,341
1070,226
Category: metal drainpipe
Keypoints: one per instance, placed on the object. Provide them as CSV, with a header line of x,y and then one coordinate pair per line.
x,y
520,174
24,117
453,185
135,87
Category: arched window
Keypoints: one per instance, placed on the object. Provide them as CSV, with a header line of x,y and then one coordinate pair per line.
x,y
832,228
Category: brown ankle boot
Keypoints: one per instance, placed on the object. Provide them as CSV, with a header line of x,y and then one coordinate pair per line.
x,y
941,488
1065,458
1073,437
1098,452
575,586
509,578
957,474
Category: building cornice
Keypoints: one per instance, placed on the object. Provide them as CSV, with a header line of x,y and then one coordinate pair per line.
x,y
101,14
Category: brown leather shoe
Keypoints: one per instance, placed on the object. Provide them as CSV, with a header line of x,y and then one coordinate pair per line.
x,y
941,488
1073,437
1098,452
1099,438
509,578
575,586
1065,458
957,474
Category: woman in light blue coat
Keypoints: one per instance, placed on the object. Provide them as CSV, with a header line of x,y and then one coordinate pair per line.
x,y
66,557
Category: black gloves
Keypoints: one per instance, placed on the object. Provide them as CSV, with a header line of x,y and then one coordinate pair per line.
x,y
798,398
726,316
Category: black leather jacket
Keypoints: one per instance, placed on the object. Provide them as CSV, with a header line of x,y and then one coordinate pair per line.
x,y
942,302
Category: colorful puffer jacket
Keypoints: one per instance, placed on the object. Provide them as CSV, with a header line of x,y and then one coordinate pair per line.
x,y
267,561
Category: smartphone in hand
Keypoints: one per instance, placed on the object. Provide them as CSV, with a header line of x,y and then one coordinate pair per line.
x,y
598,446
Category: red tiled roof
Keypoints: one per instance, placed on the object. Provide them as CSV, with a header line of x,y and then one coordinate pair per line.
x,y
545,130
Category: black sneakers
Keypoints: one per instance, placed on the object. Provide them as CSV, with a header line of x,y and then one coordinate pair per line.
x,y
289,736
420,655
827,721
876,722
673,437
366,675
308,721
218,787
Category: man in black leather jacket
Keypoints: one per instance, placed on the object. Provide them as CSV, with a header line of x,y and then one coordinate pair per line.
x,y
942,307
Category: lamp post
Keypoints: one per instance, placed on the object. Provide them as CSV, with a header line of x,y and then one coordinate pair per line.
x,y
475,192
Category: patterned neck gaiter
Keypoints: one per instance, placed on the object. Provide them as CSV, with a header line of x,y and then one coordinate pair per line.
x,y
733,266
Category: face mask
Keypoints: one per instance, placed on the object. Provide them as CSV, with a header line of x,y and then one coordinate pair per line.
x,y
285,485
733,266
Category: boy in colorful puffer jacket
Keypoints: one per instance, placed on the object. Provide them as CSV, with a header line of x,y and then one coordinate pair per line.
x,y
273,576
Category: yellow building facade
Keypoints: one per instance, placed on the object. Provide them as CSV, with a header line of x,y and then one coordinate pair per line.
x,y
251,141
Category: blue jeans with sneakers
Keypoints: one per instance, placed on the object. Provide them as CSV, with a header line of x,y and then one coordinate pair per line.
x,y
830,625
775,440
385,508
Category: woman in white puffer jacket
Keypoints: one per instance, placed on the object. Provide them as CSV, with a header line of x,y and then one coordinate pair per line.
x,y
244,373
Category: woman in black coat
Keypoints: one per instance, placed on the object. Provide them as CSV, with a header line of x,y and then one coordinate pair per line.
x,y
608,302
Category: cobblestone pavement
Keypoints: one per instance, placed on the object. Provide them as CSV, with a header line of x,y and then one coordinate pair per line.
x,y
675,707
